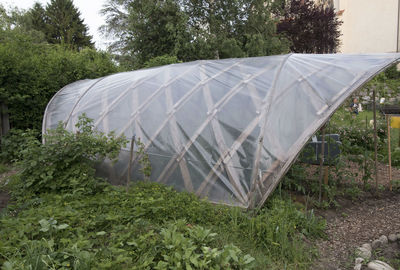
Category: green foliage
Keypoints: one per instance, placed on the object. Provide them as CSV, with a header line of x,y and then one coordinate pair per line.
x,y
396,157
59,22
161,61
151,227
3,168
81,244
148,29
31,73
356,132
36,18
386,84
392,73
191,29
189,247
64,25
312,28
14,142
144,160
357,140
65,162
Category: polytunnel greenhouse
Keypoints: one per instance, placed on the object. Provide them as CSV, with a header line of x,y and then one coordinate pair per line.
x,y
226,130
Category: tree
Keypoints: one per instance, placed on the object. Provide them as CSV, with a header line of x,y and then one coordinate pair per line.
x,y
311,28
31,73
146,29
191,29
260,33
63,24
37,18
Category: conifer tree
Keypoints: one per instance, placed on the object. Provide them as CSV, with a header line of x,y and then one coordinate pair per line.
x,y
65,26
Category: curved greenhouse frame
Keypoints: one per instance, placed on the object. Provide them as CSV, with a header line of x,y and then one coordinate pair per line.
x,y
227,130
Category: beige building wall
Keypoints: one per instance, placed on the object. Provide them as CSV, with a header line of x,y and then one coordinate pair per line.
x,y
369,26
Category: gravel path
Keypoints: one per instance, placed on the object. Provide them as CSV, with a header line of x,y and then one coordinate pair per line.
x,y
355,223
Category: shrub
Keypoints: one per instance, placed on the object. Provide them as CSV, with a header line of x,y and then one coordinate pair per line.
x,y
357,140
66,160
14,142
31,73
392,72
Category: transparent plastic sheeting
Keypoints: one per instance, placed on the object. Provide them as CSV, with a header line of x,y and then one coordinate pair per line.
x,y
226,130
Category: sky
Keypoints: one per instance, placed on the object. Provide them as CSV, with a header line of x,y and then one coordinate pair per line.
x,y
90,13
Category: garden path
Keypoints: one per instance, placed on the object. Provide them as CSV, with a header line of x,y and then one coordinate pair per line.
x,y
355,223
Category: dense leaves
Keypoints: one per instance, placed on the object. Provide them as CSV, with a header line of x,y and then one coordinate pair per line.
x,y
65,162
31,73
12,145
311,28
151,227
60,22
191,29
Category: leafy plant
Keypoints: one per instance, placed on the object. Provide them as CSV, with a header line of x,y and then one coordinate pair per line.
x,y
65,162
144,160
31,72
135,229
14,142
179,250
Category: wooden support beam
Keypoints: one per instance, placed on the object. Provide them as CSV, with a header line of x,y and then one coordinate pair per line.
x,y
219,137
389,152
144,103
219,104
375,140
304,78
260,186
263,115
321,162
175,137
226,156
79,100
176,106
128,176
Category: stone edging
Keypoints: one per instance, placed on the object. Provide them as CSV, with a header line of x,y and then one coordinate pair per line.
x,y
364,253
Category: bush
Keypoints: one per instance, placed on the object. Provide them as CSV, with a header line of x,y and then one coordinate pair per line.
x,y
14,142
392,72
357,140
396,157
66,161
31,73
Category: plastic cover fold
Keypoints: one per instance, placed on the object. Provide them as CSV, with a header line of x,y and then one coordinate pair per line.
x,y
226,130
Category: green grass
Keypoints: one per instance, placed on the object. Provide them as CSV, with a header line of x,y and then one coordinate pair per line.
x,y
115,230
